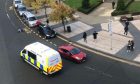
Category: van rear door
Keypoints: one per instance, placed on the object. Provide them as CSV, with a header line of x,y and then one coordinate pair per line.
x,y
53,60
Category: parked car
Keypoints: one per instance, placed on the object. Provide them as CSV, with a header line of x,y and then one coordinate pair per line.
x,y
16,3
72,53
46,31
21,9
30,19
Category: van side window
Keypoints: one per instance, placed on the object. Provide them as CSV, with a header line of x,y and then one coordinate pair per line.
x,y
32,55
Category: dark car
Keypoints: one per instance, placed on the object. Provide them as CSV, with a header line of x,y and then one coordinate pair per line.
x,y
72,53
46,31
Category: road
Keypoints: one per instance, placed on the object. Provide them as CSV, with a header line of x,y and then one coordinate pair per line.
x,y
96,70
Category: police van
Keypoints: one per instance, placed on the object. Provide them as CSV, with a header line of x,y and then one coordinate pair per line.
x,y
42,57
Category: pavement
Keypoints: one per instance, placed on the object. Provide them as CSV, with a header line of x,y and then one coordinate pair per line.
x,y
98,21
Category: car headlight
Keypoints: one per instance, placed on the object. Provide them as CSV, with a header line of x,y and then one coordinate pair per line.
x,y
30,25
77,58
47,35
20,13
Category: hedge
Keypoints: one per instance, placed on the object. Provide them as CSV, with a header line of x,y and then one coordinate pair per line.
x,y
128,3
119,12
115,13
92,7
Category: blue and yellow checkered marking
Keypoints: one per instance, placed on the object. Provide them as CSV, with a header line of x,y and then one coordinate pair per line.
x,y
34,62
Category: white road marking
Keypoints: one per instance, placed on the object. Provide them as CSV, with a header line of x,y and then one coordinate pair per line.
x,y
8,16
108,75
89,68
50,42
55,45
100,72
36,34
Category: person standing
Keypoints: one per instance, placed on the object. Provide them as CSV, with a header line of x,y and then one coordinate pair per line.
x,y
47,21
125,30
127,23
132,45
95,35
113,5
85,37
129,46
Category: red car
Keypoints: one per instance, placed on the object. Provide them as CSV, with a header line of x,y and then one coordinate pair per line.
x,y
72,53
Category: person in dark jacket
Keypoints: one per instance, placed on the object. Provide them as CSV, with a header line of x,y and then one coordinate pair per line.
x,y
47,21
129,46
126,30
132,45
113,5
85,37
127,23
95,35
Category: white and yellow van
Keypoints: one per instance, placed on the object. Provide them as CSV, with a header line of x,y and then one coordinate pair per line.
x,y
42,57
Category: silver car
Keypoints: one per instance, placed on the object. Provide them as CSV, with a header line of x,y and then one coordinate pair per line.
x,y
16,3
30,19
21,9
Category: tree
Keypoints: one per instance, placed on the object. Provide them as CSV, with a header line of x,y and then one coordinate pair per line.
x,y
85,4
36,4
45,4
120,5
28,2
60,12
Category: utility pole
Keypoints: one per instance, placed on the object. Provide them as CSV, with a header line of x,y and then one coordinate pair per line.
x,y
110,32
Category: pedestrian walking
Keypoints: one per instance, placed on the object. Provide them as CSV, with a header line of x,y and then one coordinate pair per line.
x,y
47,21
85,37
129,46
126,23
95,35
132,45
126,30
113,5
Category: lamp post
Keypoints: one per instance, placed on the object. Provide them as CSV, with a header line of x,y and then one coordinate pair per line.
x,y
110,32
45,7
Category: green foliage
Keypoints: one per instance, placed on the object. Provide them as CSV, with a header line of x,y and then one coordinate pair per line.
x,y
134,7
85,4
120,5
115,13
91,8
28,2
61,12
131,7
78,3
